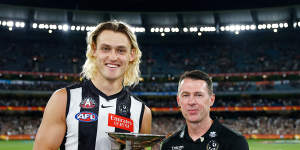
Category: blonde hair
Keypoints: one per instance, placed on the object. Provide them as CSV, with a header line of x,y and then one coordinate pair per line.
x,y
132,74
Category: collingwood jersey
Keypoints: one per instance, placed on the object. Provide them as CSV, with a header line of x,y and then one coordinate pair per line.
x,y
90,114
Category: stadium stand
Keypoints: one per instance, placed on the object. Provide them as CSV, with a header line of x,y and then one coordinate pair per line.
x,y
256,74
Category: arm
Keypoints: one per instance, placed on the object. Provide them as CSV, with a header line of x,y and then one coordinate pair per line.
x,y
147,121
52,129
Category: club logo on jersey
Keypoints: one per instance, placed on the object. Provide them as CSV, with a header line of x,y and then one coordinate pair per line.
x,y
123,109
86,116
120,122
177,147
212,145
88,103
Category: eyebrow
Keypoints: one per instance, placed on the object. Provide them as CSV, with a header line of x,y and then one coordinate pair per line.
x,y
119,46
186,92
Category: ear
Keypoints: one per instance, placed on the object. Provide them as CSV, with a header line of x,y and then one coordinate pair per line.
x,y
212,100
132,55
178,101
94,47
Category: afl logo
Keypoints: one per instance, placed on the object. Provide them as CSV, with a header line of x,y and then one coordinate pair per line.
x,y
86,116
88,103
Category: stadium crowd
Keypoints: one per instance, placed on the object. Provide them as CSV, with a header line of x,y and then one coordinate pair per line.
x,y
245,125
166,102
229,86
212,57
16,125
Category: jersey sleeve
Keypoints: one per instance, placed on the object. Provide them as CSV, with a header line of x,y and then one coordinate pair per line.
x,y
240,144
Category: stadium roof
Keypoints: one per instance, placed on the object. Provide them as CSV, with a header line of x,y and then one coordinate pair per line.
x,y
152,13
152,5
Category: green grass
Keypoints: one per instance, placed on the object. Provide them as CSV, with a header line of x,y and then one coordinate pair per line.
x,y
254,145
16,145
274,144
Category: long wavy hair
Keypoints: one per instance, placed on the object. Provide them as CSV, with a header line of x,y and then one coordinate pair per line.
x,y
132,74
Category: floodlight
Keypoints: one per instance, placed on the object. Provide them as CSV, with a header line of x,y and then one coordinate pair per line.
x,y
10,23
152,30
82,28
227,28
65,27
286,25
259,27
237,27
41,26
281,25
17,24
213,28
34,25
231,27
167,29
185,29
3,23
22,24
60,27
275,26
73,28
222,28
46,26
253,27
161,29
162,34
243,27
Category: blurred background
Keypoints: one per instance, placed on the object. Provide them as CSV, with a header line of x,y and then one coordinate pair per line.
x,y
251,49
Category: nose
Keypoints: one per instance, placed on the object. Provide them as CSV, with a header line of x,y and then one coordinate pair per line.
x,y
192,100
113,55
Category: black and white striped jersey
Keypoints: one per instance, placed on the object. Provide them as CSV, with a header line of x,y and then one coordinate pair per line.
x,y
90,114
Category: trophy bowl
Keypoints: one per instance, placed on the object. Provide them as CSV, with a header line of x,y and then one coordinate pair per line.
x,y
136,141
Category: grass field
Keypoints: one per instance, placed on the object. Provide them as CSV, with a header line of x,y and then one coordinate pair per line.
x,y
254,145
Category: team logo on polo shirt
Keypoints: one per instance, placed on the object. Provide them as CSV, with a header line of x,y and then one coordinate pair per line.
x,y
212,145
177,147
212,134
88,103
86,116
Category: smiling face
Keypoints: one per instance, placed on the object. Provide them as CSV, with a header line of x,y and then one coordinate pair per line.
x,y
195,100
113,53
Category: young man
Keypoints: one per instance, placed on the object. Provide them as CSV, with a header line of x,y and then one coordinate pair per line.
x,y
195,97
78,117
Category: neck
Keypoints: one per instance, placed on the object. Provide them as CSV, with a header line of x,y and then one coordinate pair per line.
x,y
108,87
198,129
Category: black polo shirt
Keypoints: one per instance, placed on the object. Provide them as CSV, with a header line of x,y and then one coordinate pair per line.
x,y
218,137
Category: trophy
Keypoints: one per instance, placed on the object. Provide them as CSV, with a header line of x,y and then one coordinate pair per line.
x,y
136,141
